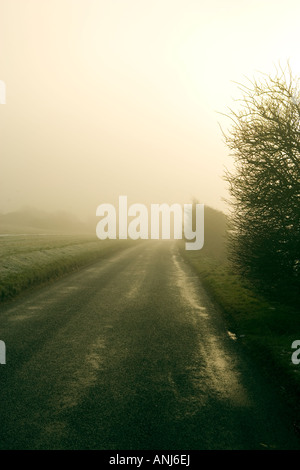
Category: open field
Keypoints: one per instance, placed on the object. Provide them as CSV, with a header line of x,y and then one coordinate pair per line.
x,y
27,260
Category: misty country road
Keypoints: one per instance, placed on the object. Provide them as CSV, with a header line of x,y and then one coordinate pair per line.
x,y
130,353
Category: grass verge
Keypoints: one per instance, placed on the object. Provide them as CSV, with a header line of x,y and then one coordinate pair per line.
x,y
28,261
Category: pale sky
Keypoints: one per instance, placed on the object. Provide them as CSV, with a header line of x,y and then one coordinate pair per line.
x,y
121,97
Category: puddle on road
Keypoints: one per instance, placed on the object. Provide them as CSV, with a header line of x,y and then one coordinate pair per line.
x,y
217,371
84,377
68,289
32,311
186,288
21,317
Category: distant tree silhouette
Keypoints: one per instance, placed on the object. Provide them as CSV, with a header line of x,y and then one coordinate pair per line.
x,y
264,140
215,232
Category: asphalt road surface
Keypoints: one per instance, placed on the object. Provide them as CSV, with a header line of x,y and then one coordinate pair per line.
x,y
130,353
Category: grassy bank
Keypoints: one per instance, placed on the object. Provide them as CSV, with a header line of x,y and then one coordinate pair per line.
x,y
31,260
265,328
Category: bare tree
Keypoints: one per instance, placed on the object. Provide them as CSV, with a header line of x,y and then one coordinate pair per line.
x,y
264,140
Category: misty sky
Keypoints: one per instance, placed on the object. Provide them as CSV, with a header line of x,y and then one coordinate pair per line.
x,y
120,97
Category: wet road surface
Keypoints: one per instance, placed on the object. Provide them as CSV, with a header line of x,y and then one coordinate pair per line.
x,y
130,353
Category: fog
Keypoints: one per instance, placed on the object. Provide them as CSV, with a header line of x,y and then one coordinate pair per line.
x,y
121,97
